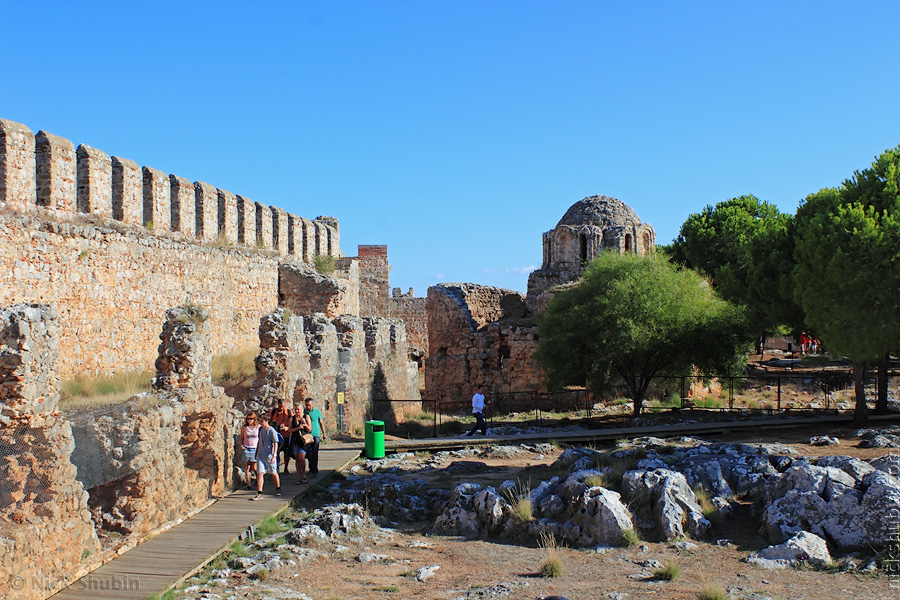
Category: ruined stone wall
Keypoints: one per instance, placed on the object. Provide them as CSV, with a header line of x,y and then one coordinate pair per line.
x,y
112,244
342,363
412,311
45,526
305,291
374,281
478,335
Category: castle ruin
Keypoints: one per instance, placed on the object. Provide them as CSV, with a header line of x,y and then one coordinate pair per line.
x,y
487,335
96,253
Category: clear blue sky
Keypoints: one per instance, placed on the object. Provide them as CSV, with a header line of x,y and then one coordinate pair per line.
x,y
457,132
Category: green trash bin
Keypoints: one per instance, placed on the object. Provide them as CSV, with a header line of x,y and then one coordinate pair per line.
x,y
374,445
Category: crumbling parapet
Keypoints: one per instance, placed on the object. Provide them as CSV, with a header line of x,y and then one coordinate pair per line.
x,y
184,354
128,191
17,166
45,525
55,172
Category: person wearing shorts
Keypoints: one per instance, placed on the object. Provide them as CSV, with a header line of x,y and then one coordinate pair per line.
x,y
266,457
249,441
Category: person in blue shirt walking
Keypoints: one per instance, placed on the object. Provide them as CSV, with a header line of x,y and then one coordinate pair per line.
x,y
318,432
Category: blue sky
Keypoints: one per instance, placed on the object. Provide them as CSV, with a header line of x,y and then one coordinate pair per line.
x,y
458,132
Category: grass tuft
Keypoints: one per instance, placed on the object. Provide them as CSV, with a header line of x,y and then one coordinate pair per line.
x,y
552,567
712,591
630,538
324,263
670,572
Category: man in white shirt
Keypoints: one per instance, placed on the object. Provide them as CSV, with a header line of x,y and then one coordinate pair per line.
x,y
478,410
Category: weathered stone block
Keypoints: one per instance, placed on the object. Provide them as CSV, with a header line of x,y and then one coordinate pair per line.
x,y
94,176
263,226
227,216
183,200
184,354
17,176
29,384
207,207
55,172
280,238
246,221
157,198
128,191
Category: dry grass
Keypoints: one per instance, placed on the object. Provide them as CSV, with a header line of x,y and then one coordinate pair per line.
x,y
232,368
552,567
93,392
712,591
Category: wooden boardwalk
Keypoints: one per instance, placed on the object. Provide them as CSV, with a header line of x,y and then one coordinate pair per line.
x,y
174,555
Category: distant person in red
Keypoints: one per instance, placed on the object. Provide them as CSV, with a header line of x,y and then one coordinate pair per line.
x,y
804,343
281,421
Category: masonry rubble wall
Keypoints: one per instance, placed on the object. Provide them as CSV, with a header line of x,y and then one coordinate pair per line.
x,y
112,284
478,335
336,362
159,456
412,311
305,291
45,525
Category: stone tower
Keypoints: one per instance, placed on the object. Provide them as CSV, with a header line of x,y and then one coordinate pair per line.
x,y
590,226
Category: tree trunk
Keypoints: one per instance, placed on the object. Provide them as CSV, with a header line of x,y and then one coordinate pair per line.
x,y
861,414
881,405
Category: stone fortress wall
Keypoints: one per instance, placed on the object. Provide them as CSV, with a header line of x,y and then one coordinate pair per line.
x,y
94,251
113,246
486,335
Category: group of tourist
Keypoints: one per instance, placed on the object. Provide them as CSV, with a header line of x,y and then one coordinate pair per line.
x,y
294,434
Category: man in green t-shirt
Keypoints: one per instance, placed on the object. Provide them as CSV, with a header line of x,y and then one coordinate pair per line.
x,y
318,433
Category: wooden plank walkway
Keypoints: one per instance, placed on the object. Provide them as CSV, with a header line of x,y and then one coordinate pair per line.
x,y
174,555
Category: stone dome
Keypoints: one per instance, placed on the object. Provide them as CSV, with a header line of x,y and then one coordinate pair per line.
x,y
599,211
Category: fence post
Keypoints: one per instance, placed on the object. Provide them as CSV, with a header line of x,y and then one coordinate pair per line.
x,y
731,393
682,391
779,394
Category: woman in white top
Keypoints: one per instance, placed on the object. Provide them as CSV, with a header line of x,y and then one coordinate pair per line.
x,y
249,441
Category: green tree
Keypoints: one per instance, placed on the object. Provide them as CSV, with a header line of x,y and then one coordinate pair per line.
x,y
847,270
632,318
727,243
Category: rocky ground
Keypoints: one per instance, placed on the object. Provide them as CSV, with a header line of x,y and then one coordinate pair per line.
x,y
753,517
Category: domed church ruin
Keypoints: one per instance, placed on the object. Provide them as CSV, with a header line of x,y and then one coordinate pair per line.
x,y
487,335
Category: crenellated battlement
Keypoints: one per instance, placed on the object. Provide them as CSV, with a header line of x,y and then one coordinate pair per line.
x,y
45,172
